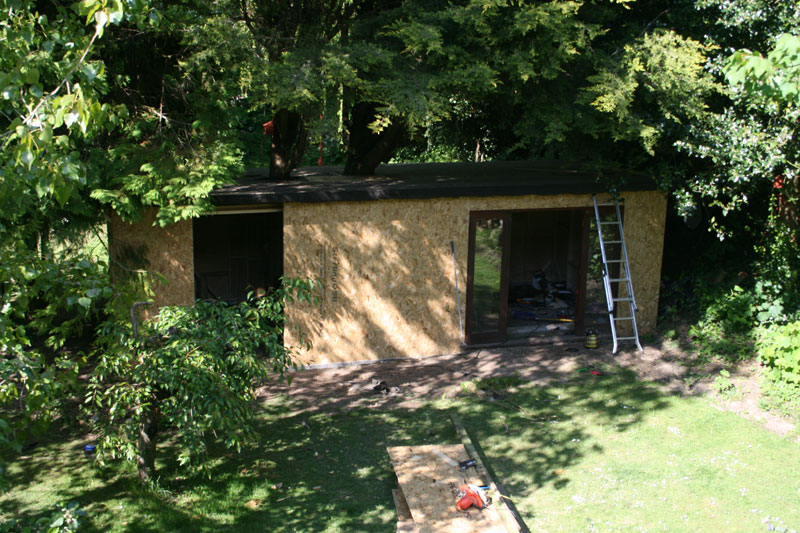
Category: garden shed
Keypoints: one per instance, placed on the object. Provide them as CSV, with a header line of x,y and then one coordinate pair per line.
x,y
416,260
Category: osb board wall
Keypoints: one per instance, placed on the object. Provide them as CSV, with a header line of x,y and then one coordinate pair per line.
x,y
387,270
166,251
644,220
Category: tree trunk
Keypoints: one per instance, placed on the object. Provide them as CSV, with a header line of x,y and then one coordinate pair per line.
x,y
44,241
146,446
289,142
366,149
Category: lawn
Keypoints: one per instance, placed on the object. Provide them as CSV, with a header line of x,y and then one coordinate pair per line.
x,y
600,453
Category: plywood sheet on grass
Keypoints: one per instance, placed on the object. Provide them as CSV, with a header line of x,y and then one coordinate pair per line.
x,y
164,251
387,271
430,486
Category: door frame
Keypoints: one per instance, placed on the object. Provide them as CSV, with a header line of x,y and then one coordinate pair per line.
x,y
482,337
485,337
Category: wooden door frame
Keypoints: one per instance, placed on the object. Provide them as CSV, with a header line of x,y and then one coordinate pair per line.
x,y
470,338
583,271
482,337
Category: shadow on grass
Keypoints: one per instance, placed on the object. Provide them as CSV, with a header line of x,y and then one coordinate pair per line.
x,y
318,472
533,436
329,471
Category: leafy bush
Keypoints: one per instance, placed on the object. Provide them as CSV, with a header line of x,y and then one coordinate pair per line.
x,y
724,329
779,352
724,385
44,301
194,370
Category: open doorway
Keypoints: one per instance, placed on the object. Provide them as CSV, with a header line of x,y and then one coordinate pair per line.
x,y
547,260
235,254
529,275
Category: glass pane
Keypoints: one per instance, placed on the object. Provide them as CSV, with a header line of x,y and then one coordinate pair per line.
x,y
487,272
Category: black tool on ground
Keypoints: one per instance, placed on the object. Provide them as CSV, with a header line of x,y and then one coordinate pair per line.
x,y
463,465
381,387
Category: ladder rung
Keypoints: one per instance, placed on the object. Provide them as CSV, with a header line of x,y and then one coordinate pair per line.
x,y
623,299
623,318
615,260
611,222
626,338
612,242
615,280
606,205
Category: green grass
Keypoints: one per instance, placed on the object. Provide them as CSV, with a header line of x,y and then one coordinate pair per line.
x,y
597,452
486,282
611,453
317,472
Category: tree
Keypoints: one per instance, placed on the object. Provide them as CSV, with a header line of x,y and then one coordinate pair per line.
x,y
181,374
611,82
51,87
747,179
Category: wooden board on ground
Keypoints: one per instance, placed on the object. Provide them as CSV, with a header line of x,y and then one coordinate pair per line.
x,y
405,524
430,486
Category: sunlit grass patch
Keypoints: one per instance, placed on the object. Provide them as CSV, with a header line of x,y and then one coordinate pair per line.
x,y
612,454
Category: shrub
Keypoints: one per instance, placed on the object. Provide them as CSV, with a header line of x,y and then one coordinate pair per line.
x,y
63,519
724,331
44,304
779,352
193,370
724,385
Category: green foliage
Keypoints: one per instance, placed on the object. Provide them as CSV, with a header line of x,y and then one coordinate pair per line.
x,y
662,67
43,304
48,88
749,181
779,352
728,326
724,331
63,519
774,78
51,86
195,370
723,384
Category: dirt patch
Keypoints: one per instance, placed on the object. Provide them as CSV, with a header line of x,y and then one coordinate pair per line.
x,y
406,383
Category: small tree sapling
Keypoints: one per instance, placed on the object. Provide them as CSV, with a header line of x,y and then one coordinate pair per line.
x,y
192,371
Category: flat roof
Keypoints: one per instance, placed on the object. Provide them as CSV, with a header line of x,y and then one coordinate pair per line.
x,y
429,180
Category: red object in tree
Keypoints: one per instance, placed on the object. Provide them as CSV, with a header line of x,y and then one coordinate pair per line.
x,y
269,128
778,185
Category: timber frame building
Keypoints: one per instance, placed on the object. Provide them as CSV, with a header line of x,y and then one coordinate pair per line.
x,y
416,260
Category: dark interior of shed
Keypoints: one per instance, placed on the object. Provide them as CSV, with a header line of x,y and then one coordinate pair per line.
x,y
543,272
235,254
534,273
545,275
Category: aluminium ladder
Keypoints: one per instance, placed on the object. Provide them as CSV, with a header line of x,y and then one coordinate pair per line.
x,y
624,272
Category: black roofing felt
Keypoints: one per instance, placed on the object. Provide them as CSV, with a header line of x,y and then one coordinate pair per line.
x,y
429,180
